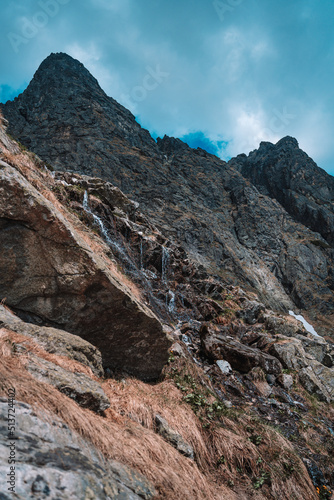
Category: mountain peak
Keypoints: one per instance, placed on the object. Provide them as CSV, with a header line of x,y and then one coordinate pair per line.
x,y
288,141
60,70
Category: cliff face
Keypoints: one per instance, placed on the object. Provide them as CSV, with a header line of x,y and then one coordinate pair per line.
x,y
263,221
284,172
52,272
95,288
88,280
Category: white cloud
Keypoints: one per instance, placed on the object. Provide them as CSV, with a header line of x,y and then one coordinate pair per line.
x,y
264,71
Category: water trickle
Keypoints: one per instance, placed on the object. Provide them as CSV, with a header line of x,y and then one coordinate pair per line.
x,y
171,301
141,254
164,264
113,244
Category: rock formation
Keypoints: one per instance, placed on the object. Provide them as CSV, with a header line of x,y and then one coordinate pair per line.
x,y
124,260
270,233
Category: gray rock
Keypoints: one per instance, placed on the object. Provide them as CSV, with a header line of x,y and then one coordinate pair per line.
x,y
271,379
290,352
326,376
173,437
227,403
317,347
287,326
313,384
77,386
328,360
285,380
177,350
251,311
224,366
55,462
241,357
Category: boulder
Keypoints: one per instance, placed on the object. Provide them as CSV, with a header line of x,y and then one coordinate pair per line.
x,y
287,326
241,357
224,366
251,311
51,275
285,380
317,347
55,341
326,377
290,352
55,462
173,437
312,383
86,392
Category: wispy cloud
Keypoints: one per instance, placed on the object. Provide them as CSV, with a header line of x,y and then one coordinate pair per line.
x,y
263,71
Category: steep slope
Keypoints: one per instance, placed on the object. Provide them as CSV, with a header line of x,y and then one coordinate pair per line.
x,y
240,410
222,219
91,133
53,272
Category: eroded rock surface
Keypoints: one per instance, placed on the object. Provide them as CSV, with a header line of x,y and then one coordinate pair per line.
x,y
173,437
49,274
262,221
86,392
241,357
54,462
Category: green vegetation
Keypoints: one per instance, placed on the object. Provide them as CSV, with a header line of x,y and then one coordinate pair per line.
x,y
260,480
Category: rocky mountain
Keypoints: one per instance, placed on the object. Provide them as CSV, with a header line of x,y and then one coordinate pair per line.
x,y
301,187
144,326
271,233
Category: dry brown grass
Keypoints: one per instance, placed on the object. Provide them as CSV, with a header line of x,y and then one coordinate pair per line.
x,y
116,437
11,341
127,434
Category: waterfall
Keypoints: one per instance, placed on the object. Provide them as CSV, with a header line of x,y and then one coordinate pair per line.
x,y
164,264
97,221
113,244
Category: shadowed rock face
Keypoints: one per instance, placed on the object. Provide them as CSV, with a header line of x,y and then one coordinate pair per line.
x,y
252,221
55,341
64,102
284,172
49,274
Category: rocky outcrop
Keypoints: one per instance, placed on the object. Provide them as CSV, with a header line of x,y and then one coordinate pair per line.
x,y
49,274
54,462
77,386
301,187
318,380
173,437
241,357
250,235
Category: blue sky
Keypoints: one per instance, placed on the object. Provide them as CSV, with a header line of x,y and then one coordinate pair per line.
x,y
223,74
